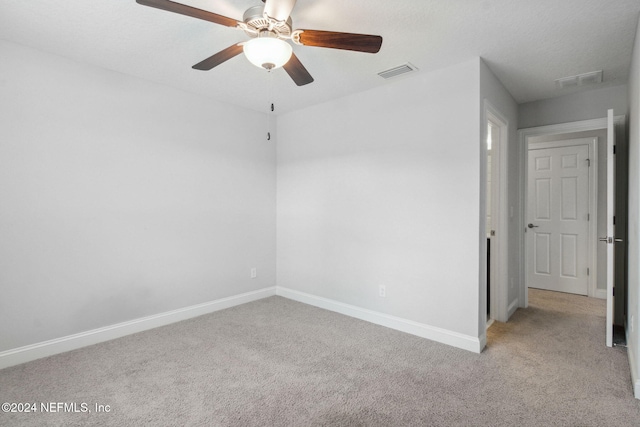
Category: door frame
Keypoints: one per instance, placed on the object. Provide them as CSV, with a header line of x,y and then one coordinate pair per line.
x,y
499,245
523,136
592,251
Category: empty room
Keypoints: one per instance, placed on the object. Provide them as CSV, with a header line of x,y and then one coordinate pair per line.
x,y
288,213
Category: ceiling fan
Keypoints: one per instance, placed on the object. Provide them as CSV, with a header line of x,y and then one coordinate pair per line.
x,y
270,28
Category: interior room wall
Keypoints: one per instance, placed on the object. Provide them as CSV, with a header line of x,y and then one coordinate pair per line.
x,y
633,331
586,105
382,188
492,90
123,198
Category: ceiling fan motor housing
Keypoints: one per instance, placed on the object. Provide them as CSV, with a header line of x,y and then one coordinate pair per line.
x,y
257,22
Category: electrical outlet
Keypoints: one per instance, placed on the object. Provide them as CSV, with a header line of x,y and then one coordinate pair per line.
x,y
382,291
254,273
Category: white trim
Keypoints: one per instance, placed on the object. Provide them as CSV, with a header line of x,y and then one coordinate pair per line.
x,y
71,342
635,380
562,143
513,307
523,136
455,339
482,342
600,293
499,286
580,126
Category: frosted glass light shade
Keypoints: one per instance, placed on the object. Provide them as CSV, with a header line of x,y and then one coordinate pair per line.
x,y
267,52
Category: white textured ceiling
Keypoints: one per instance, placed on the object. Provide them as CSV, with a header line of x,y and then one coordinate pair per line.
x,y
527,43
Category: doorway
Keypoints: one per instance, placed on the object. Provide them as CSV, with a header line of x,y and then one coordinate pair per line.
x,y
561,208
573,130
496,222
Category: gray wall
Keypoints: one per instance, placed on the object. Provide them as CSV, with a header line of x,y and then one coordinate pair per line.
x,y
123,198
633,325
381,188
591,104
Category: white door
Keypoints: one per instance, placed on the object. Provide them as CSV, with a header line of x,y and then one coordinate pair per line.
x,y
558,219
609,239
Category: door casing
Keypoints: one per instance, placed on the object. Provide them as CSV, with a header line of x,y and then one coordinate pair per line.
x,y
499,252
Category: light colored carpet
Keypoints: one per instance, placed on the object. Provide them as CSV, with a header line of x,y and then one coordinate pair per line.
x,y
276,362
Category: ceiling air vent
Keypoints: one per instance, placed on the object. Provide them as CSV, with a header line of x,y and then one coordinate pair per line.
x,y
397,71
593,77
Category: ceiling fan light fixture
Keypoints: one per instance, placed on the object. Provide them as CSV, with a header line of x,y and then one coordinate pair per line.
x,y
267,51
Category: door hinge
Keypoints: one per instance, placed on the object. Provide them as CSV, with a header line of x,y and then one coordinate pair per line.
x,y
613,291
588,217
587,271
614,149
588,163
614,220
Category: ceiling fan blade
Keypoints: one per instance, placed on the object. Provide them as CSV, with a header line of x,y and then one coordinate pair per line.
x,y
297,72
346,41
279,9
219,58
189,11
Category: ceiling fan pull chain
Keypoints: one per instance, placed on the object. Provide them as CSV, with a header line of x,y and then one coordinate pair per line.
x,y
271,103
270,89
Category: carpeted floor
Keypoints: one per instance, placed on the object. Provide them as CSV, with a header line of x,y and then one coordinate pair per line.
x,y
276,362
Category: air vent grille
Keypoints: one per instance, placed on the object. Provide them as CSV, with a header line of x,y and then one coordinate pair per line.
x,y
397,71
593,77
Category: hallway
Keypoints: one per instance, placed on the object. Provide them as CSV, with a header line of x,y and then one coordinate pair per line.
x,y
558,344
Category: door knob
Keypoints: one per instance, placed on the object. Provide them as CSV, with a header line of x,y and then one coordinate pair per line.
x,y
532,226
610,239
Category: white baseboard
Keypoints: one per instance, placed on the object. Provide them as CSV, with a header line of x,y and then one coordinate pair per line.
x,y
71,342
455,339
482,343
633,365
512,307
600,293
